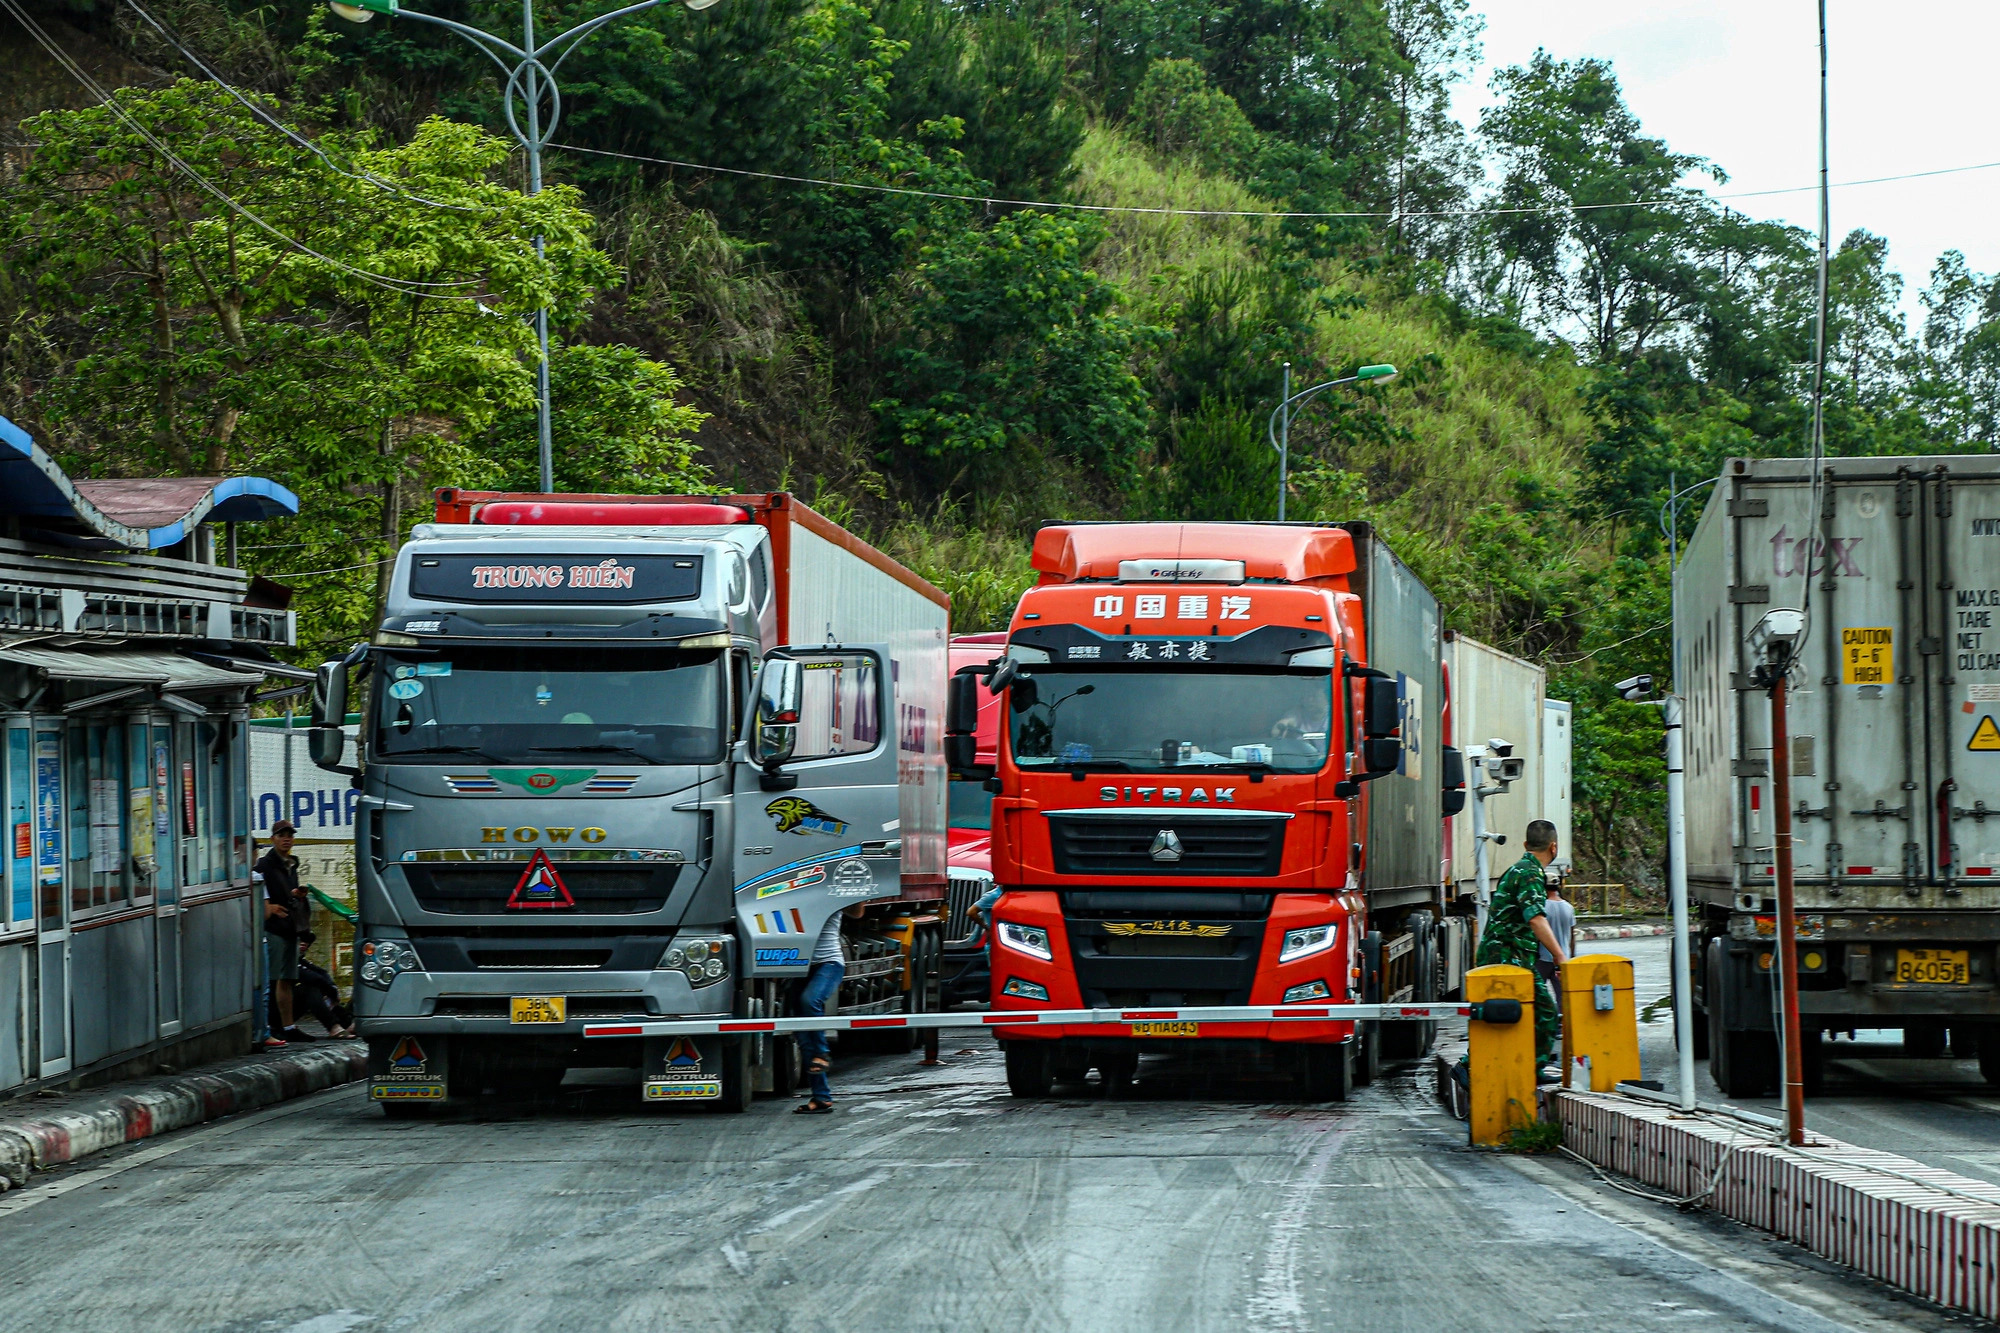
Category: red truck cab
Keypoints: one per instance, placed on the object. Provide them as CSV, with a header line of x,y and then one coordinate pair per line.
x,y
1192,734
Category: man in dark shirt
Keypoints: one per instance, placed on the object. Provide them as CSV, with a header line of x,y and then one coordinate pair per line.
x,y
284,921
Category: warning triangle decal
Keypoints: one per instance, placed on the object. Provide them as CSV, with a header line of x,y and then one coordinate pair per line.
x,y
540,886
1985,736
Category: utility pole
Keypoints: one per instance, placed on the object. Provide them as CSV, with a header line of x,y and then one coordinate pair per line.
x,y
531,76
1773,643
1279,428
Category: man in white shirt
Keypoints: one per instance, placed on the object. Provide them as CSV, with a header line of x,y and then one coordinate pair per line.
x,y
829,965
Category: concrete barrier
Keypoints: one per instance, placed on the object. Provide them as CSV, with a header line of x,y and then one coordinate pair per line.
x,y
1931,1232
35,1137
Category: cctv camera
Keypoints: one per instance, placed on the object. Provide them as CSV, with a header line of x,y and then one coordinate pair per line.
x,y
1777,634
1499,748
1634,688
1511,770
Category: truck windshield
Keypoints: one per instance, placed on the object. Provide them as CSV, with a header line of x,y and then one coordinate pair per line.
x,y
550,705
1151,721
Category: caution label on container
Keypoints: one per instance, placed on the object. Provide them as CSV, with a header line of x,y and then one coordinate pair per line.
x,y
1867,656
1985,736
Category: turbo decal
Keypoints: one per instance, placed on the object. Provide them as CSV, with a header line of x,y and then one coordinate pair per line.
x,y
795,814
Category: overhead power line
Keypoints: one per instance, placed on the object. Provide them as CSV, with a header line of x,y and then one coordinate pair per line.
x,y
400,286
369,177
1686,197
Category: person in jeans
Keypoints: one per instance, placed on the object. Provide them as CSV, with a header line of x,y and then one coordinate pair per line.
x,y
829,965
1562,922
284,921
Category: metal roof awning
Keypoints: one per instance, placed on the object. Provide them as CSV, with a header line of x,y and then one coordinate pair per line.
x,y
167,671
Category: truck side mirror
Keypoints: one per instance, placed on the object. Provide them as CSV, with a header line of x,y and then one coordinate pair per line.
x,y
780,690
961,753
1454,781
326,743
961,705
1382,753
1003,675
1381,711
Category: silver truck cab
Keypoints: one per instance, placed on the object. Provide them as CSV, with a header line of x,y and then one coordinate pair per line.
x,y
560,727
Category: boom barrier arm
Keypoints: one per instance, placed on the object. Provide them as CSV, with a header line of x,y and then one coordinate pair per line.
x,y
1317,1013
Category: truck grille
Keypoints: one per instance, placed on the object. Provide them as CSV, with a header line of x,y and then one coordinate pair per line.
x,y
540,959
963,889
1092,844
481,888
1137,961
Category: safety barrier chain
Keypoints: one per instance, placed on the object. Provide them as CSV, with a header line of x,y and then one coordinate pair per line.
x,y
1252,1013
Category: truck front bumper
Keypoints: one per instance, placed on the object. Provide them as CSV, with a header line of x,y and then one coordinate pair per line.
x,y
480,1003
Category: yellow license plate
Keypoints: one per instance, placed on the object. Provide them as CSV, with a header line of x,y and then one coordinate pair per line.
x,y
1934,967
1166,1029
538,1009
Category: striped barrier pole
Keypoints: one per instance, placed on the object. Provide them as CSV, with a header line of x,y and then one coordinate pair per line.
x,y
1319,1013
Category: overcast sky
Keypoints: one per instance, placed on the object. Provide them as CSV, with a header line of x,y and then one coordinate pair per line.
x,y
1913,88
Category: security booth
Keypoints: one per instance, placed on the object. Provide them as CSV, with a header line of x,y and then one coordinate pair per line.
x,y
129,659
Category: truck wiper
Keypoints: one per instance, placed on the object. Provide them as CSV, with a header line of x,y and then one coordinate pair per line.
x,y
448,749
593,749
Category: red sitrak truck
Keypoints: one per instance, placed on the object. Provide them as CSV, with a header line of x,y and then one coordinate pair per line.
x,y
1220,780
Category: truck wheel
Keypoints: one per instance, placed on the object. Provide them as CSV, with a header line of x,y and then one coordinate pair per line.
x,y
1117,1072
786,1066
1989,1056
1367,1047
1325,1073
409,1110
1413,1040
1743,1064
1924,1041
1028,1069
736,1093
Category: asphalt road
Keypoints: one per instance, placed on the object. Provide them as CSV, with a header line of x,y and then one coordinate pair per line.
x,y
930,1200
1939,1112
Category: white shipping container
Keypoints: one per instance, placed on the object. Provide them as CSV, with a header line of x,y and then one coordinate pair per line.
x,y
1557,737
1495,696
835,588
1895,700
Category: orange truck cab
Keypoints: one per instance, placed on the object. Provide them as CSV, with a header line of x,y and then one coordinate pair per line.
x,y
1218,780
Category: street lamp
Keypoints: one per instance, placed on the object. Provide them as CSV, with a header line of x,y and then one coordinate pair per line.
x,y
530,75
1279,428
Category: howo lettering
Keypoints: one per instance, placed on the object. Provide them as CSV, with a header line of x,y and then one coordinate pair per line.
x,y
624,757
1218,778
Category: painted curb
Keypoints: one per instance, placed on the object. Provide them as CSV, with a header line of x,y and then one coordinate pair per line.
x,y
1929,1231
35,1143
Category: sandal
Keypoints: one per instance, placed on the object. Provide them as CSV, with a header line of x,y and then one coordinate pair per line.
x,y
814,1107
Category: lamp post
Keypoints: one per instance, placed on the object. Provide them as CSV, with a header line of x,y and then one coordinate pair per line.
x,y
1279,428
530,71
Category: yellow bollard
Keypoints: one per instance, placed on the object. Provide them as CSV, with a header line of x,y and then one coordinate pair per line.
x,y
1599,1021
1501,1057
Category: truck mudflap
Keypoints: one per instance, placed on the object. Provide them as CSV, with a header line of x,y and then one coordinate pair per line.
x,y
409,1068
683,1069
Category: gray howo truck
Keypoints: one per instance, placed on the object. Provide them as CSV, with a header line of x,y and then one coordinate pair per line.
x,y
623,757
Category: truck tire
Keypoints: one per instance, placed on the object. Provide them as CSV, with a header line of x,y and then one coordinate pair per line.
x,y
1324,1073
1117,1072
1413,1040
1924,1040
1989,1056
1367,1047
786,1066
409,1110
1028,1072
736,1093
1743,1064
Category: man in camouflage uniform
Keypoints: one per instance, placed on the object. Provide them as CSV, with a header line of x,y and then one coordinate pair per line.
x,y
1516,923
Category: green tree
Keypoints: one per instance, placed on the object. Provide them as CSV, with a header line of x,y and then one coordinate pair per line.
x,y
1013,341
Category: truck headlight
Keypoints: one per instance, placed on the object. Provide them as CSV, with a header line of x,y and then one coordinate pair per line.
x,y
1030,940
1308,940
382,960
703,960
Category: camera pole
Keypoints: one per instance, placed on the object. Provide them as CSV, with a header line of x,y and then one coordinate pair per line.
x,y
1788,944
